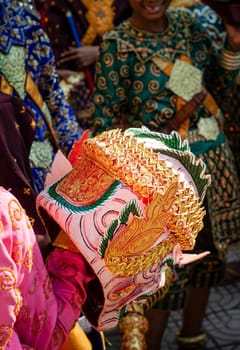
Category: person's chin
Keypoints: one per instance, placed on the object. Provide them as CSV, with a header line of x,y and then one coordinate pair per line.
x,y
156,17
154,12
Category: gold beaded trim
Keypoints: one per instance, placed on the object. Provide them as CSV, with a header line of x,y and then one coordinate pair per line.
x,y
171,203
128,266
124,255
158,184
130,162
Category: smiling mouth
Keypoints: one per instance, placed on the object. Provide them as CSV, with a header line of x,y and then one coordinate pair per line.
x,y
152,7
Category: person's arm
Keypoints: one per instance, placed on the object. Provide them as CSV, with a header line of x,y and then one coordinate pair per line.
x,y
83,56
63,119
39,306
224,53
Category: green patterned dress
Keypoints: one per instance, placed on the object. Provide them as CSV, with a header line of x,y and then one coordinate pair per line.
x,y
133,89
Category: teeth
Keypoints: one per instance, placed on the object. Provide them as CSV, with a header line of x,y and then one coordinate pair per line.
x,y
151,7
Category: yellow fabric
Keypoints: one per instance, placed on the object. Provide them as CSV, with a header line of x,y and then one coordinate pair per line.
x,y
63,241
184,3
5,86
100,17
32,90
77,340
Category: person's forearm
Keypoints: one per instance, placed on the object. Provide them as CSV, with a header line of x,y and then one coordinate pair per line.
x,y
70,276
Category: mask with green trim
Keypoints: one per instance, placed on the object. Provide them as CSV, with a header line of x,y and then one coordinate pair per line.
x,y
131,204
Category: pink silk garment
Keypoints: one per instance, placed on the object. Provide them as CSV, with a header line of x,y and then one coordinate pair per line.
x,y
38,304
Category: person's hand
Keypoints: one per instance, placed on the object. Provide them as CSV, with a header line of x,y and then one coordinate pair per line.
x,y
230,14
83,56
64,74
233,36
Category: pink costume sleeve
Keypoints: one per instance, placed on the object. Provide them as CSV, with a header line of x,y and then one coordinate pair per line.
x,y
38,305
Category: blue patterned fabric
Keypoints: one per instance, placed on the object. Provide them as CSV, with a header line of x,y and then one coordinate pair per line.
x,y
20,29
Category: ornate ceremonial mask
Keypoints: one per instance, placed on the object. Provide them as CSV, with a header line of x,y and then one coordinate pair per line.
x,y
228,10
130,205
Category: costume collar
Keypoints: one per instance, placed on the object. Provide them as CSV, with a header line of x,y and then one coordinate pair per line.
x,y
174,40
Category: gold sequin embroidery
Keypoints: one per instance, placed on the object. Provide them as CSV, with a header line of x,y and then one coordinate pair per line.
x,y
7,278
5,336
15,213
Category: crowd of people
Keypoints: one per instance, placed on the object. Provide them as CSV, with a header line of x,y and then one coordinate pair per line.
x,y
84,84
75,29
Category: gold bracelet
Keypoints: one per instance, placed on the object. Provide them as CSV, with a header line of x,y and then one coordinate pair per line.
x,y
230,60
64,242
200,338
